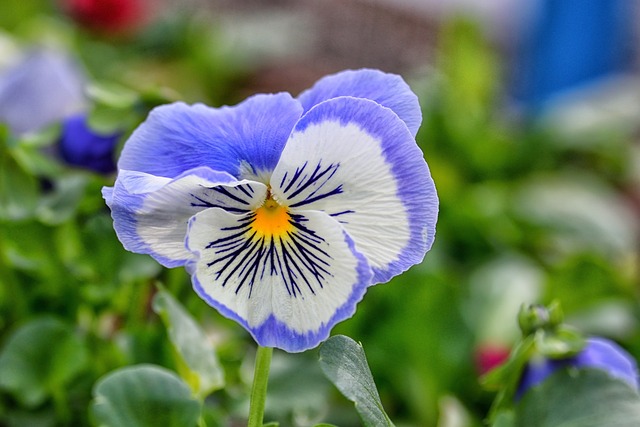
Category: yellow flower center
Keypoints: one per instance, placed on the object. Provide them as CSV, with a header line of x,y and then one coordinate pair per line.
x,y
271,220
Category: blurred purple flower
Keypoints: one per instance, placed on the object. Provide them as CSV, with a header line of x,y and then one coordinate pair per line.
x,y
599,353
81,146
42,89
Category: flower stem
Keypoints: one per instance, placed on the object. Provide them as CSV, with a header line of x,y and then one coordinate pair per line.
x,y
259,388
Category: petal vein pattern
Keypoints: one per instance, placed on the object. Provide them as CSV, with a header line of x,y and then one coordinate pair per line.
x,y
151,213
307,186
288,285
356,161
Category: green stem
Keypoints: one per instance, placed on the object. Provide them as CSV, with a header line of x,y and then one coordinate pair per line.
x,y
259,389
61,406
14,297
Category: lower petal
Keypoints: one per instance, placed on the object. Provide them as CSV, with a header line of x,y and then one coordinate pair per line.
x,y
288,290
151,213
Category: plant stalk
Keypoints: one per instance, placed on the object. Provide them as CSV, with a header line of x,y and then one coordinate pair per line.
x,y
259,388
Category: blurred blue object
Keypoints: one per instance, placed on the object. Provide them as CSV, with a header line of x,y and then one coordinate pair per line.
x,y
570,43
42,89
599,353
81,146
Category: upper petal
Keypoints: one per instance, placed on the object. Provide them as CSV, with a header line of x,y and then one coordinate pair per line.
x,y
244,140
287,290
357,161
150,213
389,90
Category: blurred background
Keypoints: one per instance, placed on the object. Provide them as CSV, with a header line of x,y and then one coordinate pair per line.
x,y
531,119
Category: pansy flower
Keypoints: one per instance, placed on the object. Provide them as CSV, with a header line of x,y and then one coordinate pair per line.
x,y
283,210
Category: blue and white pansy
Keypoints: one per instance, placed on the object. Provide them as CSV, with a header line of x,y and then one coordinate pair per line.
x,y
283,210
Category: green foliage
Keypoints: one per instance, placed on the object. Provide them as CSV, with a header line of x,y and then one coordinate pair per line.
x,y
18,188
585,398
40,359
298,391
528,215
543,334
144,396
197,360
343,361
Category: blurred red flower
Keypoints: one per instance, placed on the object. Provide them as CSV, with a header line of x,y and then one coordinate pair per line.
x,y
489,356
108,16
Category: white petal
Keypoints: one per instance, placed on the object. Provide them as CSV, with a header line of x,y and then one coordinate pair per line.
x,y
356,161
288,291
151,213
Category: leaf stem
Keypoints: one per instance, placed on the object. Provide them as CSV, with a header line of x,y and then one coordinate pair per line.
x,y
259,388
61,405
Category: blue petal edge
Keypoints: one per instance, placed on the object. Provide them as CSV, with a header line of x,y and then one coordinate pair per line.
x,y
127,196
179,137
407,162
388,90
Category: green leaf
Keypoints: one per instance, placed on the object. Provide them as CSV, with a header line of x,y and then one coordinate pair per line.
x,y
113,107
41,138
504,374
34,154
297,387
143,396
36,161
107,120
579,398
18,189
561,343
343,361
112,95
41,358
60,204
198,363
505,377
503,419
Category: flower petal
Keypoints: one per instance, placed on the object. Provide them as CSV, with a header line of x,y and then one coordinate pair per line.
x,y
244,140
45,87
388,90
356,161
287,290
151,213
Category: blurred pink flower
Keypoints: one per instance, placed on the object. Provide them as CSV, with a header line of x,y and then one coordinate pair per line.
x,y
108,16
489,356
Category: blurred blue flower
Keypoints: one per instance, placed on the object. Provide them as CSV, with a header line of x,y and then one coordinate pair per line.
x,y
598,353
283,210
79,145
42,89
570,43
